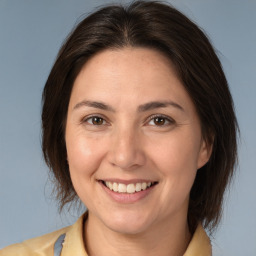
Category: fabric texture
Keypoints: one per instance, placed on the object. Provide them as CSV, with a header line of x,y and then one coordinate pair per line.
x,y
73,243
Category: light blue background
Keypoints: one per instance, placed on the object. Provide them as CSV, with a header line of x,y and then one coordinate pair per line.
x,y
31,32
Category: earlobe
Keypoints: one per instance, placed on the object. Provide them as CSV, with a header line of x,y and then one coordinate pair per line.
x,y
204,154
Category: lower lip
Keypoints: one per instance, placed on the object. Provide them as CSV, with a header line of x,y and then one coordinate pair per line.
x,y
127,198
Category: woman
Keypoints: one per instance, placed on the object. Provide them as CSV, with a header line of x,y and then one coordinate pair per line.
x,y
138,123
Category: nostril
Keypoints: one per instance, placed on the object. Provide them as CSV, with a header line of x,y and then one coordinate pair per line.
x,y
125,153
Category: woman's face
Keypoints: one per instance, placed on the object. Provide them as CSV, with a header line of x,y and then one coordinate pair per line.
x,y
133,140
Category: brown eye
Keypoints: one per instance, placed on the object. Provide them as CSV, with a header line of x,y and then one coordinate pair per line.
x,y
95,120
159,121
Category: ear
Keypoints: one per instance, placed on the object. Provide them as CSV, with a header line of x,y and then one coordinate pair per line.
x,y
204,153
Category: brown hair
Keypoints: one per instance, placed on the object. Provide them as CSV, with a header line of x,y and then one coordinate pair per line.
x,y
158,26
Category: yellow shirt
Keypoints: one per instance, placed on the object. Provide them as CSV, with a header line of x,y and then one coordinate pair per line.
x,y
73,245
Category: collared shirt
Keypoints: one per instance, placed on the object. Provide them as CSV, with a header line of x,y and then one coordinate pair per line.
x,y
74,245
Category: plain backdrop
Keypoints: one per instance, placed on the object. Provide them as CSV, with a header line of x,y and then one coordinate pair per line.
x,y
31,32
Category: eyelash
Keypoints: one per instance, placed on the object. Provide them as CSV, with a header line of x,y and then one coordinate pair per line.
x,y
160,116
151,118
85,120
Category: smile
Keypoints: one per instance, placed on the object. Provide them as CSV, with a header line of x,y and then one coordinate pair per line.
x,y
128,188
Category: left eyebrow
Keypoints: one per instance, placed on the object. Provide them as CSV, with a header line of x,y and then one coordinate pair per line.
x,y
158,104
94,104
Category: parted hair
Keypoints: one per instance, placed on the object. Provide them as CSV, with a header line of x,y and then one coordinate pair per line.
x,y
159,26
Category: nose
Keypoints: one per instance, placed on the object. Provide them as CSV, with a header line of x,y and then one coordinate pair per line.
x,y
126,150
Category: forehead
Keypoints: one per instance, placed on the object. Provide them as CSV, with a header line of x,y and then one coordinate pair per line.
x,y
138,74
130,59
146,55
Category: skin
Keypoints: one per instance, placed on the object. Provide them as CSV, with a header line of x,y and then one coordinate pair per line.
x,y
127,142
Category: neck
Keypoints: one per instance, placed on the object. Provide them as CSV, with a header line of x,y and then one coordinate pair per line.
x,y
169,238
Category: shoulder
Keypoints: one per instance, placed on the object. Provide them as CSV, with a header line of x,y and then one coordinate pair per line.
x,y
200,243
42,245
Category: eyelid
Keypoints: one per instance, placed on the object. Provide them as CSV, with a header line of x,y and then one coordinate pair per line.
x,y
168,118
150,118
86,118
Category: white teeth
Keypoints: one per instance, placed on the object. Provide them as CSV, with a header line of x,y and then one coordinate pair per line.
x,y
130,188
138,187
115,187
121,188
144,186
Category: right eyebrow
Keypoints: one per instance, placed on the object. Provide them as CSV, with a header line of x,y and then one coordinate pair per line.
x,y
159,104
94,104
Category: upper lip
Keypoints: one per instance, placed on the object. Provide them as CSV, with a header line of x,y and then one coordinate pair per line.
x,y
126,182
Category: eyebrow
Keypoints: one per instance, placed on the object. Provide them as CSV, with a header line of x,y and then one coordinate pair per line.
x,y
94,104
142,108
158,104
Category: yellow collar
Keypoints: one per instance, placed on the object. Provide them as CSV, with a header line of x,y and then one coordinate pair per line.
x,y
74,245
199,245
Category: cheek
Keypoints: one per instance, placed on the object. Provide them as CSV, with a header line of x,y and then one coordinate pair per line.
x,y
84,155
176,159
177,154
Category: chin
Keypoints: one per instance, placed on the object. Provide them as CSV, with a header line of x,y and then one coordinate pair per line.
x,y
127,228
128,223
